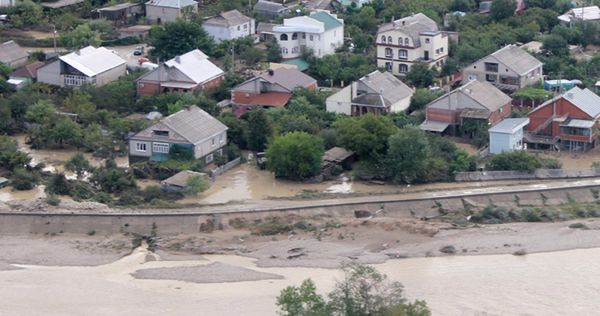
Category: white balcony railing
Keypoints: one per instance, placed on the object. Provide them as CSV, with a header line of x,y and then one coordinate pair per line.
x,y
76,81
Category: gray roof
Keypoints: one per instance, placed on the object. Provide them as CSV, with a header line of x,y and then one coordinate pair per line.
x,y
387,85
228,18
263,27
178,4
475,95
412,25
577,123
584,99
288,78
181,178
509,125
11,52
269,6
337,154
517,59
434,126
190,125
60,3
119,6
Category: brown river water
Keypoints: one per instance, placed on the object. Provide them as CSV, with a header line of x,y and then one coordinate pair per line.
x,y
557,283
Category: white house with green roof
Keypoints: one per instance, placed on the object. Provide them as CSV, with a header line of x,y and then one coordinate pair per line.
x,y
321,31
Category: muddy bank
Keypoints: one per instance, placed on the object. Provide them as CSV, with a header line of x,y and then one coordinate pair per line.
x,y
215,272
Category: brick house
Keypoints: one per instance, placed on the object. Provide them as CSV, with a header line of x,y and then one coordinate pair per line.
x,y
567,121
475,100
186,73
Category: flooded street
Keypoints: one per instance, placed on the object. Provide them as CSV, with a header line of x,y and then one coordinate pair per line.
x,y
557,283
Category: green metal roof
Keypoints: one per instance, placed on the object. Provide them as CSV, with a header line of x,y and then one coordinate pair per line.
x,y
301,64
327,19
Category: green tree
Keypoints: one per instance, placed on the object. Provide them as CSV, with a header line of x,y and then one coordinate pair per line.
x,y
420,75
79,102
80,37
237,128
555,45
78,164
421,98
407,155
252,55
302,300
42,112
295,155
260,130
366,135
195,185
27,13
111,179
502,9
58,184
515,160
176,38
65,132
10,156
23,179
273,51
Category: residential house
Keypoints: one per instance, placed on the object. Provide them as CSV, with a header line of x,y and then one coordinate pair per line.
x,y
321,32
89,65
273,88
179,181
191,129
378,92
409,40
569,121
509,68
60,4
139,31
229,25
189,72
269,9
160,11
507,135
582,14
25,75
8,3
475,100
122,13
265,31
13,55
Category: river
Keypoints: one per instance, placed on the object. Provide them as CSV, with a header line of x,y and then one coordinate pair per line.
x,y
557,283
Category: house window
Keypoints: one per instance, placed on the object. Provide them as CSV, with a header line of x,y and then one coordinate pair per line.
x,y
388,66
441,49
491,78
491,67
238,27
213,142
310,38
295,36
209,158
399,40
403,68
295,50
284,51
427,41
406,41
303,35
140,147
382,38
245,27
283,37
472,77
221,139
162,148
388,52
402,54
389,39
161,133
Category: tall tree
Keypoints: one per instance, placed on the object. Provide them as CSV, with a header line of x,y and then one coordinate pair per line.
x,y
502,9
407,155
420,75
295,155
81,36
177,38
366,135
260,130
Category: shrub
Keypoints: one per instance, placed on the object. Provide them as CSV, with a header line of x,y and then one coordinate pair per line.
x,y
272,227
23,179
578,226
58,184
53,200
103,197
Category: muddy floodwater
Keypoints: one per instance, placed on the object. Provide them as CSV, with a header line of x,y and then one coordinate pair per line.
x,y
557,283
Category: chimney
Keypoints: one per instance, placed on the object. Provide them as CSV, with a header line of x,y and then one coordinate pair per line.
x,y
271,72
178,59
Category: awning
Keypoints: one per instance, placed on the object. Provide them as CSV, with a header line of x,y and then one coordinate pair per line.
x,y
434,126
578,123
179,85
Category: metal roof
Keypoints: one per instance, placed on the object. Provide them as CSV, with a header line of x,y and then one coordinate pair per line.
x,y
92,61
387,85
329,20
585,14
11,51
119,6
516,59
195,65
509,125
577,123
181,178
27,71
434,126
482,93
228,18
178,4
585,99
269,6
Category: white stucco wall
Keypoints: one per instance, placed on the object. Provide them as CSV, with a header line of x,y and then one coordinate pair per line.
x,y
340,102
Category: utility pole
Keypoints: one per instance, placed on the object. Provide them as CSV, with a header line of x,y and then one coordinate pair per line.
x,y
232,58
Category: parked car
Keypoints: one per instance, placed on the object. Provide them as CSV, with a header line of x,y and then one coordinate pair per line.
x,y
139,50
261,160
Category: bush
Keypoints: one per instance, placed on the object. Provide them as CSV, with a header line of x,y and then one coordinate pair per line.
x,y
23,179
579,226
103,197
58,184
515,160
81,191
53,199
272,227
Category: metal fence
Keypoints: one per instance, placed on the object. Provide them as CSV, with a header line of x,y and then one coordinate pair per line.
x,y
524,175
219,170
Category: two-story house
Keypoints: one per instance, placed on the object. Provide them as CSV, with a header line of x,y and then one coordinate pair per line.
x,y
378,93
475,101
89,65
321,32
186,73
190,129
160,11
509,68
570,121
229,25
412,39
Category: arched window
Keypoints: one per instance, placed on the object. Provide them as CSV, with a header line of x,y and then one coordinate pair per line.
x,y
383,39
406,41
389,53
283,37
399,40
294,36
390,39
402,68
402,53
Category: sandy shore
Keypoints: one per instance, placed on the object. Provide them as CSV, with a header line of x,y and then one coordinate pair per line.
x,y
215,272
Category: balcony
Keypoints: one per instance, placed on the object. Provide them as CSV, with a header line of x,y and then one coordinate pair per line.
x,y
76,81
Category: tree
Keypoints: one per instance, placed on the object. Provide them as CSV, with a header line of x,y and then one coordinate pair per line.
x,y
42,112
26,13
195,185
64,132
273,51
80,37
295,155
260,130
78,164
555,45
420,98
111,179
10,156
366,135
23,179
420,75
80,103
515,160
363,292
237,129
408,152
502,9
176,38
58,184
252,55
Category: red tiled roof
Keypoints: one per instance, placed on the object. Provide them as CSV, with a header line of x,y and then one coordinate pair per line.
x,y
268,99
28,71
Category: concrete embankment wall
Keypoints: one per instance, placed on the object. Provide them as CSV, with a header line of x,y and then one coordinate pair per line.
x,y
189,223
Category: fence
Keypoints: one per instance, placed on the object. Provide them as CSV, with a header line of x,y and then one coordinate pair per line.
x,y
524,175
219,170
